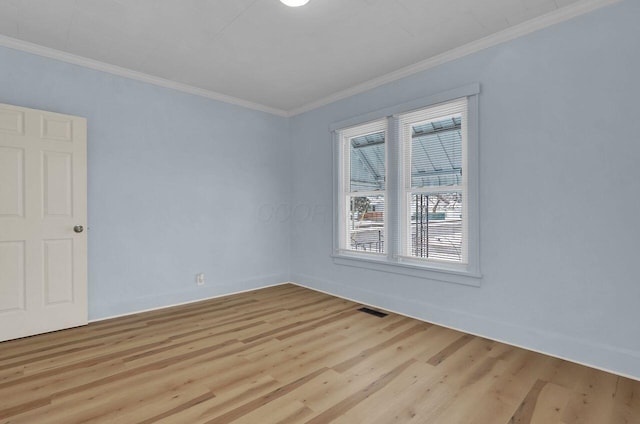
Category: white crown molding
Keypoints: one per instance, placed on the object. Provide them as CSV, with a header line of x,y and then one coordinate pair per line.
x,y
560,15
527,27
39,50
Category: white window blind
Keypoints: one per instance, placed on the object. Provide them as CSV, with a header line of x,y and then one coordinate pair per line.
x,y
363,187
434,187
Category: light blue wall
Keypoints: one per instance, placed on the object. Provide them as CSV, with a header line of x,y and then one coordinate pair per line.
x,y
559,190
175,185
180,184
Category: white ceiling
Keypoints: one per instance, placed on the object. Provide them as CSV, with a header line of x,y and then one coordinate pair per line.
x,y
262,52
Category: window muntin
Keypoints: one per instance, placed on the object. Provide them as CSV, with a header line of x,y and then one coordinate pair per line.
x,y
363,187
433,210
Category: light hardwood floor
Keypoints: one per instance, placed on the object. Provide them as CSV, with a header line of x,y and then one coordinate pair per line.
x,y
291,355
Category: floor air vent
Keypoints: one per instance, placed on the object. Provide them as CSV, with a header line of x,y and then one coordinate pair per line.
x,y
373,312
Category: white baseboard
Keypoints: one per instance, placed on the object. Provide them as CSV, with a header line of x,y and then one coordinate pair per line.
x,y
627,361
186,302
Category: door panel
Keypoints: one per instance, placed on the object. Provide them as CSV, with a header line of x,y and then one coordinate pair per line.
x,y
58,271
12,283
12,188
11,120
56,128
43,262
57,187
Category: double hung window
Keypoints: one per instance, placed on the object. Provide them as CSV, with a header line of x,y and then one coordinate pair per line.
x,y
406,188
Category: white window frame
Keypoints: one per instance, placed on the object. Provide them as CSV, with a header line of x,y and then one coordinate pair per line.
x,y
395,260
344,171
405,122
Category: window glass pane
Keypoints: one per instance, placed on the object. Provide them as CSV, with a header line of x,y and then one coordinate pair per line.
x,y
436,152
367,165
366,223
436,226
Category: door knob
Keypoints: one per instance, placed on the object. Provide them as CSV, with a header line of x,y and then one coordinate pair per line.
x,y
78,228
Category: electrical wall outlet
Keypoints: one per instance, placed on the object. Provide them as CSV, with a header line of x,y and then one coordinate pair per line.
x,y
200,279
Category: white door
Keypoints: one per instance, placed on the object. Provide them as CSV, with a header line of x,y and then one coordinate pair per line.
x,y
43,196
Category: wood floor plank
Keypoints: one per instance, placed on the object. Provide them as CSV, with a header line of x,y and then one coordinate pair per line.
x,y
627,401
449,350
550,405
349,402
228,396
398,397
249,407
524,413
175,410
593,398
463,394
510,388
287,355
445,382
367,353
278,410
231,397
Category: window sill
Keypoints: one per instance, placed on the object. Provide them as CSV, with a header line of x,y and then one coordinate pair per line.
x,y
427,271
